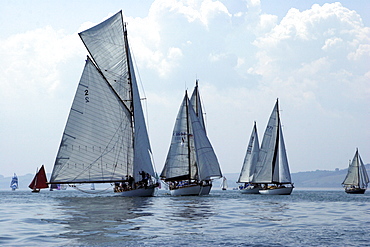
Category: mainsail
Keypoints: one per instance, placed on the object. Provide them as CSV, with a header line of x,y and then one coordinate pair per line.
x,y
105,138
39,181
357,174
272,165
251,158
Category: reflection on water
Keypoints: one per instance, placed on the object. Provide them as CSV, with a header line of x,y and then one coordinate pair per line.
x,y
224,218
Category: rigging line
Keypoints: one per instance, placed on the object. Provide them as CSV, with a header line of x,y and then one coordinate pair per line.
x,y
142,87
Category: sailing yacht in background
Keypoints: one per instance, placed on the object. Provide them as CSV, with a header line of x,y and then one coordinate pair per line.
x,y
105,139
357,178
248,171
191,162
272,168
39,181
224,183
14,182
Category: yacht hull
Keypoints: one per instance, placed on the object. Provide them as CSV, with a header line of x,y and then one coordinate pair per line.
x,y
187,190
277,191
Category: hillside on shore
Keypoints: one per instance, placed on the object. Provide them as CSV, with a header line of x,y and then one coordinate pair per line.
x,y
309,179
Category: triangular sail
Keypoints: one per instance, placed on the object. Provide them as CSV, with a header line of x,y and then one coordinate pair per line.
x,y
207,162
97,143
179,159
281,172
40,180
251,158
267,151
106,45
197,105
357,174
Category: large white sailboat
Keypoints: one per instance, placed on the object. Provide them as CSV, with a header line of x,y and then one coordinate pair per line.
x,y
357,178
105,138
249,165
191,162
272,168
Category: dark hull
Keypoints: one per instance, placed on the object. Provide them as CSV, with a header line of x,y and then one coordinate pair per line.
x,y
355,191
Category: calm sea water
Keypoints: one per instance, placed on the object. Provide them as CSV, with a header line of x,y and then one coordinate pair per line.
x,y
224,218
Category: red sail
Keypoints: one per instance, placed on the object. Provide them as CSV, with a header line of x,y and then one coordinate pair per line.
x,y
40,180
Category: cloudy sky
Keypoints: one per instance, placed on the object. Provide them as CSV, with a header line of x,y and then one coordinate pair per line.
x,y
312,55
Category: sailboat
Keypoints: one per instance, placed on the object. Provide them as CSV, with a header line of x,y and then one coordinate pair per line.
x,y
357,178
191,162
14,182
39,181
105,139
248,170
224,183
272,168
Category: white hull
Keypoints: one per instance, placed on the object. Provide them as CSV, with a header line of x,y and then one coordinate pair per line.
x,y
142,192
192,190
205,189
277,191
250,190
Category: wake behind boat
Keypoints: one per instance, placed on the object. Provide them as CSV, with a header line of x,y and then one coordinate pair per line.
x,y
105,139
357,178
191,162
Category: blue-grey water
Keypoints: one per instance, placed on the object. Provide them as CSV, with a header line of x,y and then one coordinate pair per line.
x,y
224,218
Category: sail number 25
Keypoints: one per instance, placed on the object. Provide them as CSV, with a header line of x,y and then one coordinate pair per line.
x,y
87,96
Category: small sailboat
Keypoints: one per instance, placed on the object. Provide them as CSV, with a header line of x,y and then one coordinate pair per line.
x,y
357,178
39,181
248,171
14,182
105,139
272,168
224,183
92,186
191,162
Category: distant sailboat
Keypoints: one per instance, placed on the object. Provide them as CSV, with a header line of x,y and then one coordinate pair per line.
x,y
14,182
191,162
105,139
272,168
92,186
224,183
39,181
357,178
248,171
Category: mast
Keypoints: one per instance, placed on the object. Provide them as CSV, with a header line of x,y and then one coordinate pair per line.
x,y
276,142
188,132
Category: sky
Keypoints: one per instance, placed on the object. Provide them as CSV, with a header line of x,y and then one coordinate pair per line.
x,y
314,56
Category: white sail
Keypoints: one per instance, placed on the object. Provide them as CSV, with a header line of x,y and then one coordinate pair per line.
x,y
106,45
251,158
272,165
105,138
197,105
97,141
179,159
266,153
190,148
357,174
207,162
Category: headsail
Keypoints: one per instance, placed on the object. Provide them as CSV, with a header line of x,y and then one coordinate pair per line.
x,y
251,158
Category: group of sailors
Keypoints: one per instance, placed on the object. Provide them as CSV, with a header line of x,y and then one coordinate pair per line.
x,y
185,183
130,184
